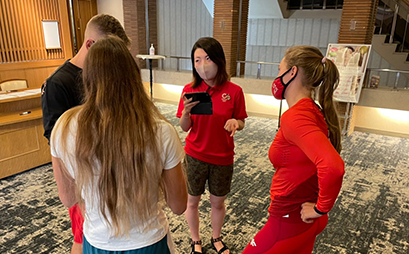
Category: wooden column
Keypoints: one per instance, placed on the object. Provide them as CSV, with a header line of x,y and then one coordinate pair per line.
x,y
361,14
135,27
226,30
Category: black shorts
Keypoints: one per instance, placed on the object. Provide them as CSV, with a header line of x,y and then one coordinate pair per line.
x,y
219,177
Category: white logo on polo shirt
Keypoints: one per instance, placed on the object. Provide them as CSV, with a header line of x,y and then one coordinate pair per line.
x,y
226,97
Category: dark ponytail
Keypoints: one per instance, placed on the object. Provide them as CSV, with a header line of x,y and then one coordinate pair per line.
x,y
322,73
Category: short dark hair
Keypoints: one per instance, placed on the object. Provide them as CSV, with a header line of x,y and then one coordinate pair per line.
x,y
107,24
214,50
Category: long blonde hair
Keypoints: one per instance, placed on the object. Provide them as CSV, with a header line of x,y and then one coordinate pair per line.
x,y
117,127
326,76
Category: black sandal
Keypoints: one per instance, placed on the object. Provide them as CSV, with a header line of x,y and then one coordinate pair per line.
x,y
193,243
219,239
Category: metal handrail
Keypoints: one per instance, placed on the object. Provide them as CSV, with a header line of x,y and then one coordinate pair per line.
x,y
259,63
395,86
388,70
238,64
177,61
399,8
398,72
258,67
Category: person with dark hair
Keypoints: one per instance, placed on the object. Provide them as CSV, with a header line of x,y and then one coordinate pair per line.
x,y
119,158
63,90
305,154
209,144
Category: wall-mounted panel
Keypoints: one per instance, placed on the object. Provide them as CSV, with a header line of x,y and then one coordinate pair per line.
x,y
21,33
22,47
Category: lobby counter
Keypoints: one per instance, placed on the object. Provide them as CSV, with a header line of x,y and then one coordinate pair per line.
x,y
22,144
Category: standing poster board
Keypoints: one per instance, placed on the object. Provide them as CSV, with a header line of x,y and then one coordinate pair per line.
x,y
351,61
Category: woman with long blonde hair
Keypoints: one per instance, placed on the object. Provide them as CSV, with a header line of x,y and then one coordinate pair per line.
x,y
116,154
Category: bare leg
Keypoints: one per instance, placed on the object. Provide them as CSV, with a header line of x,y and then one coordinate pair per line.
x,y
217,217
192,217
76,248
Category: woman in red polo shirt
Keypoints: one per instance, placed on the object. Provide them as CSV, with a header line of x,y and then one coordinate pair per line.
x,y
209,144
305,154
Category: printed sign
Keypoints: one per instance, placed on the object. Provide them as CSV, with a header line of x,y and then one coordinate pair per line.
x,y
351,61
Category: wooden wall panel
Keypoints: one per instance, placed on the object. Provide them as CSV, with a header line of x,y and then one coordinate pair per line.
x,y
243,35
135,27
27,138
22,47
226,28
20,104
35,76
12,74
84,10
34,153
22,33
363,13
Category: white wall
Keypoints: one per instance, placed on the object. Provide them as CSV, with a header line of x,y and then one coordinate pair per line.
x,y
267,39
264,9
114,8
382,121
180,24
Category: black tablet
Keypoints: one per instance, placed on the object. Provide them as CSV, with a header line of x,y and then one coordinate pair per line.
x,y
199,96
205,107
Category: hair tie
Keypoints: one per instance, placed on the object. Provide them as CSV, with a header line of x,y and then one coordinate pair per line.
x,y
324,60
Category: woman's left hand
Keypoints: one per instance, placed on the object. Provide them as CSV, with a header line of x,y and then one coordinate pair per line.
x,y
231,126
308,213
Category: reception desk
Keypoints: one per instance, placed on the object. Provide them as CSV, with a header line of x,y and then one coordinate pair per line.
x,y
22,144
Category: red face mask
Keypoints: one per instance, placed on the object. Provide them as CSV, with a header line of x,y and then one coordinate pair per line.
x,y
278,87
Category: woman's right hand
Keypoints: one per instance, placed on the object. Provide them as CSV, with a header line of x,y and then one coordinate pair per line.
x,y
188,105
185,121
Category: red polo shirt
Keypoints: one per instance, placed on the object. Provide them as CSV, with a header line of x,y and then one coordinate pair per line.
x,y
207,140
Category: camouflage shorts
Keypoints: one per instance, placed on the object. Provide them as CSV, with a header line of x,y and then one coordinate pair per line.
x,y
219,177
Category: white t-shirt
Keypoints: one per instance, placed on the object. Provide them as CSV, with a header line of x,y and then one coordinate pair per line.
x,y
96,229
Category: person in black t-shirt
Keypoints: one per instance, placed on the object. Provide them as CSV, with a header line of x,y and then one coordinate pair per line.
x,y
63,90
60,92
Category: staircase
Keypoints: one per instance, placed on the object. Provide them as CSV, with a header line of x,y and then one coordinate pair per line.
x,y
395,53
290,7
388,52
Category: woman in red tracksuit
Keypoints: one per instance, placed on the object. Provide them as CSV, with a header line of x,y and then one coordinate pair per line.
x,y
305,154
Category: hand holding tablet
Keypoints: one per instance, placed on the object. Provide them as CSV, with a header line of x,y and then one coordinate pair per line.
x,y
205,106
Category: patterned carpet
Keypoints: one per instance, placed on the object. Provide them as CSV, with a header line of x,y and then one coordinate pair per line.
x,y
370,216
